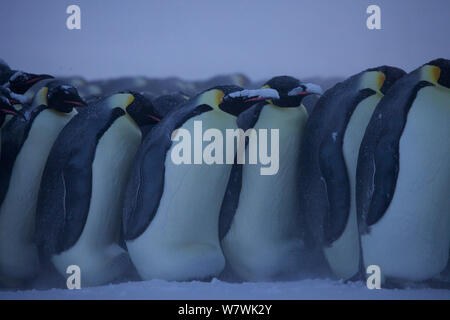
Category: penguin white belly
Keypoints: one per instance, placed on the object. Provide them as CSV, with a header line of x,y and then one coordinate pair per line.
x,y
343,254
264,239
18,252
182,241
411,241
96,252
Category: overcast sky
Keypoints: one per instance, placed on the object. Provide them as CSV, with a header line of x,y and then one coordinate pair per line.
x,y
195,39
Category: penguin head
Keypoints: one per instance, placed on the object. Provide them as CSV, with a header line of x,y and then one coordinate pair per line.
x,y
63,97
232,99
291,91
142,111
20,81
437,72
381,78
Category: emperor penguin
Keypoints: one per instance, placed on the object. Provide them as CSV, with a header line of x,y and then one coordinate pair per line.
x,y
26,144
79,210
260,231
328,162
403,177
172,203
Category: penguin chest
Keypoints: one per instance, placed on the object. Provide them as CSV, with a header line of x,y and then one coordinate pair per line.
x,y
343,254
182,241
18,253
412,239
264,236
96,251
193,192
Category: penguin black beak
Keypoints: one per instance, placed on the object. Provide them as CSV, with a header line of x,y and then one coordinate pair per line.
x,y
75,102
153,117
306,89
33,78
23,81
9,111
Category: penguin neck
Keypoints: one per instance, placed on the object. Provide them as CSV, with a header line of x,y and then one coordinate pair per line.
x,y
131,120
41,97
431,74
373,80
212,98
120,100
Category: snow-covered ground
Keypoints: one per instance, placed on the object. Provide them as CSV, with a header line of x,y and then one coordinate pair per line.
x,y
216,289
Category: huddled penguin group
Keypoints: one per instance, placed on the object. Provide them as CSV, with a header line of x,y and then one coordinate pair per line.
x,y
88,178
403,177
375,173
328,164
172,210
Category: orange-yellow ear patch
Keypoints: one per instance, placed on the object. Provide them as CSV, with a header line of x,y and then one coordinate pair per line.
x,y
212,98
219,97
435,73
373,80
41,97
130,100
380,79
431,73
